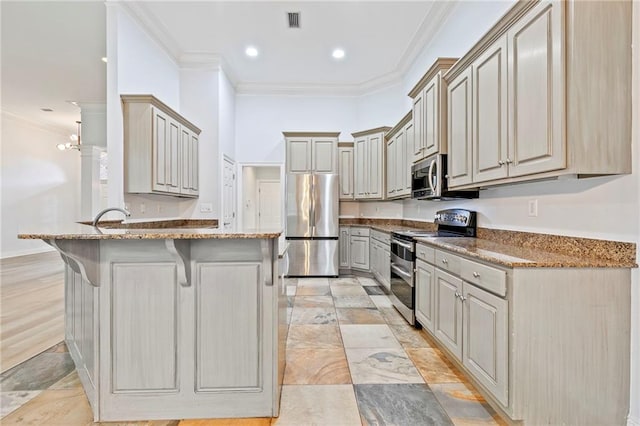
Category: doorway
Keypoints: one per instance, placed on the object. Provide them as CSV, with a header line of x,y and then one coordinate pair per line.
x,y
229,194
262,196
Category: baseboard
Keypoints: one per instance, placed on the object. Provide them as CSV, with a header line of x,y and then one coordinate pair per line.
x,y
27,252
633,421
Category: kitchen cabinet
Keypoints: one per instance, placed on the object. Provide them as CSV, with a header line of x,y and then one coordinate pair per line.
x,y
345,167
530,118
368,158
160,149
398,176
345,247
485,315
359,242
311,152
380,258
429,112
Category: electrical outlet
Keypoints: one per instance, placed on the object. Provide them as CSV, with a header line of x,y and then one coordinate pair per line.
x,y
206,208
533,208
143,208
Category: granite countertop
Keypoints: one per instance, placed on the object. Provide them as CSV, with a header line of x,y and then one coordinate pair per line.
x,y
79,231
520,257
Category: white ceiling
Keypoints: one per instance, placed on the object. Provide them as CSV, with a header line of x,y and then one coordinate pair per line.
x,y
51,50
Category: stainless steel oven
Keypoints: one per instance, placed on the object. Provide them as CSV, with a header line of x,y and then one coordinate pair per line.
x,y
451,223
402,277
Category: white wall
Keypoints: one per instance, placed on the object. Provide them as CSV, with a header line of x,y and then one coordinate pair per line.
x,y
40,184
261,119
383,107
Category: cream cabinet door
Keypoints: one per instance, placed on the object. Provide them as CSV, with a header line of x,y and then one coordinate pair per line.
x,y
374,258
360,252
490,113
408,159
385,266
459,129
345,247
345,167
376,166
418,128
448,311
431,128
323,155
189,161
400,162
392,166
166,148
299,155
536,91
485,336
360,167
424,294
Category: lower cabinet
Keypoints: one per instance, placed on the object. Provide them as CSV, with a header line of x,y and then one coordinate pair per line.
x,y
359,248
380,262
424,294
448,311
345,247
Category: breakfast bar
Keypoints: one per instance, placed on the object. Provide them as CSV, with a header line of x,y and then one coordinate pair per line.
x,y
173,323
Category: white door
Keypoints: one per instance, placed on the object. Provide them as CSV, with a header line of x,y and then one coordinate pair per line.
x,y
269,200
229,195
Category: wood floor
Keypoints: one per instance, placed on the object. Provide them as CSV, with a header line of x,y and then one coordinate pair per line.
x,y
31,306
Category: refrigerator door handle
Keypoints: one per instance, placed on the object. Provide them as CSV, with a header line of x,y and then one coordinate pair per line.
x,y
312,206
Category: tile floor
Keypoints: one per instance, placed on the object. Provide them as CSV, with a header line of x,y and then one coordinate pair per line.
x,y
351,360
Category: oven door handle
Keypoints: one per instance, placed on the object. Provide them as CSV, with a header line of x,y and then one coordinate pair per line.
x,y
399,271
402,244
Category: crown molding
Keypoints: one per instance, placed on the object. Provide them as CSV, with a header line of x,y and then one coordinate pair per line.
x,y
302,89
47,127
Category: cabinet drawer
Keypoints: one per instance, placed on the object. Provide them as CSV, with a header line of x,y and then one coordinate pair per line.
x,y
426,253
361,232
484,276
448,262
381,236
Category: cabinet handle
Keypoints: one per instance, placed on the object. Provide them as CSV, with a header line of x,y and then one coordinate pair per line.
x,y
501,163
475,274
445,261
508,161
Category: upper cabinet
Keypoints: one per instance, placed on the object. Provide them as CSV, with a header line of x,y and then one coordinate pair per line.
x,y
399,141
429,105
160,149
345,167
546,92
368,164
312,152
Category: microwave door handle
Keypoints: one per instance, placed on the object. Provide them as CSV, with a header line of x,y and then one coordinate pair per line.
x,y
430,176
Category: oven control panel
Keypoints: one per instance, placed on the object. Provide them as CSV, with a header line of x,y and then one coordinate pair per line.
x,y
455,217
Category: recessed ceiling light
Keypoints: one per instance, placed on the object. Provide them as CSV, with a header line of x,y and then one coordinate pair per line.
x,y
104,59
338,53
251,51
46,109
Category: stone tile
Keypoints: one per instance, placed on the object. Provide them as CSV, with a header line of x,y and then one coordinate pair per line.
x,y
359,316
253,421
374,291
59,348
53,407
367,281
348,290
11,401
344,281
313,302
37,373
392,316
368,336
353,302
311,336
399,404
316,367
314,316
333,405
381,366
434,366
320,290
71,381
382,301
409,337
305,282
465,405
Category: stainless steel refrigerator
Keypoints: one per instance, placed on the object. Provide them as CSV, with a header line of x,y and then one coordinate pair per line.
x,y
312,224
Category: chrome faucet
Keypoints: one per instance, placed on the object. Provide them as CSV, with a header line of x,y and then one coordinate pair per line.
x,y
109,209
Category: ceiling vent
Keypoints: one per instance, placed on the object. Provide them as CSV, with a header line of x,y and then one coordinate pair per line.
x,y
294,19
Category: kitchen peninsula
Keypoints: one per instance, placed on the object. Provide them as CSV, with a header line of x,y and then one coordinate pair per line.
x,y
173,323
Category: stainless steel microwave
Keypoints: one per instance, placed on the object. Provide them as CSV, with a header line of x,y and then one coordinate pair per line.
x,y
429,180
